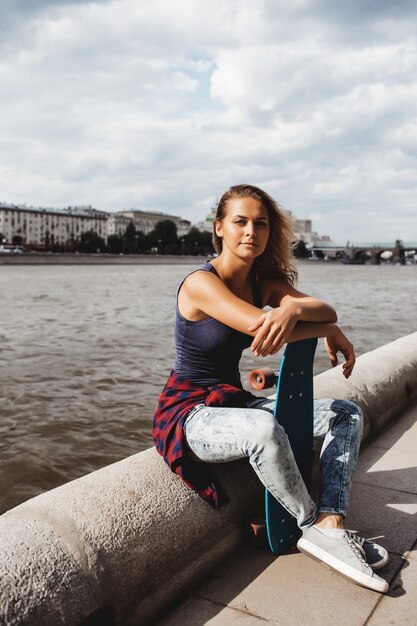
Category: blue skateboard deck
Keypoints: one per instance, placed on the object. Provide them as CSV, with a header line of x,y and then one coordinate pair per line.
x,y
294,411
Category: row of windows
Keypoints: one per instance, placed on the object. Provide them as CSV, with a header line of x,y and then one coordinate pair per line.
x,y
47,218
67,227
44,227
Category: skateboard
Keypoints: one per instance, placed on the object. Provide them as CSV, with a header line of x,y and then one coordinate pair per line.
x,y
294,411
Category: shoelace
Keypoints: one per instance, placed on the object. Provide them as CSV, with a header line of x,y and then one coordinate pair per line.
x,y
352,534
357,549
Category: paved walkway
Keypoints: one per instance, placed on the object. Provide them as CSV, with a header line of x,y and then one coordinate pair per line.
x,y
256,588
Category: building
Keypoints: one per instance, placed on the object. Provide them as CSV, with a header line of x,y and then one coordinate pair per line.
x,y
303,230
146,221
47,227
117,224
207,225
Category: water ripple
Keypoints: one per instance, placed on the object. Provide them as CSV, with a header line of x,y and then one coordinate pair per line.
x,y
85,352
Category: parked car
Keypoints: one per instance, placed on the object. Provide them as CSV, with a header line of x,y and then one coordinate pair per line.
x,y
10,249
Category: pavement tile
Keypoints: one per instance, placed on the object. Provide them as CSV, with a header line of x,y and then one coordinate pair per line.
x,y
199,611
292,589
399,606
393,469
386,515
255,587
391,460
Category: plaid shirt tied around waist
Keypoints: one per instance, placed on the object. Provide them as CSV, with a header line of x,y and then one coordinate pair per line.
x,y
177,399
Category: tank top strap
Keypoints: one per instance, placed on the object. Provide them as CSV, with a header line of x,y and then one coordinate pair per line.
x,y
208,267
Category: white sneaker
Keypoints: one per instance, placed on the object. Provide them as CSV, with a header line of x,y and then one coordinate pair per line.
x,y
342,554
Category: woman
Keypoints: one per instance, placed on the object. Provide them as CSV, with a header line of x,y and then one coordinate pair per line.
x,y
204,416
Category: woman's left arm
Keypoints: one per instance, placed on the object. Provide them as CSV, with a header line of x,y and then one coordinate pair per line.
x,y
273,328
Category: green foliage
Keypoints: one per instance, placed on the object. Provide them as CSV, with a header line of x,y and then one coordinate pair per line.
x,y
299,250
59,247
91,243
197,242
17,240
131,242
114,244
130,233
164,237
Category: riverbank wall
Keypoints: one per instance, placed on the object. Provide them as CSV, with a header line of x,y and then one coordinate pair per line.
x,y
39,258
98,259
119,545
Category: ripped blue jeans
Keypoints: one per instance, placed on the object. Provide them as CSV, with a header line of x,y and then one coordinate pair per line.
x,y
219,435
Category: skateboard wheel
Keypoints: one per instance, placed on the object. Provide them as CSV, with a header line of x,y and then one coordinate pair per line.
x,y
257,528
262,379
256,534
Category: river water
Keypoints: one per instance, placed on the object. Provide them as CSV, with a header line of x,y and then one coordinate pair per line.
x,y
85,351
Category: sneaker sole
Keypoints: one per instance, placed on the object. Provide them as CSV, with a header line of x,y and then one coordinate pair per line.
x,y
347,571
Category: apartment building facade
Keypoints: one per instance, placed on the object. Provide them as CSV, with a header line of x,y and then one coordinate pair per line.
x,y
147,220
47,227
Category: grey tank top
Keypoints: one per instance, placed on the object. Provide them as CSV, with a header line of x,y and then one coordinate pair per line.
x,y
208,352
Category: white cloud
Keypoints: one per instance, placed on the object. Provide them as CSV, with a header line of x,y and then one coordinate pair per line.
x,y
155,105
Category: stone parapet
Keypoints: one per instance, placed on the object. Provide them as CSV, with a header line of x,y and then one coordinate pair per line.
x,y
118,545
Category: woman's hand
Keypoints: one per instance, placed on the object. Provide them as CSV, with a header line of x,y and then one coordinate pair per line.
x,y
273,329
338,342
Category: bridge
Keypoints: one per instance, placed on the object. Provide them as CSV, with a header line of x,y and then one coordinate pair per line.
x,y
359,252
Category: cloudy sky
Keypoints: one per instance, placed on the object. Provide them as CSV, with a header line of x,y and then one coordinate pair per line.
x,y
161,105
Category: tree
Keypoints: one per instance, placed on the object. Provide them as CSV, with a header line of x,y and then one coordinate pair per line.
x,y
133,241
129,242
58,247
90,243
17,240
142,242
114,244
197,242
299,250
164,237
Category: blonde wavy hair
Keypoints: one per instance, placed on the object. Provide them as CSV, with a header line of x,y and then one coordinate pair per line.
x,y
277,260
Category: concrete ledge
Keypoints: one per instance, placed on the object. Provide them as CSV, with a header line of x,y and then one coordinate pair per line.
x,y
118,545
128,537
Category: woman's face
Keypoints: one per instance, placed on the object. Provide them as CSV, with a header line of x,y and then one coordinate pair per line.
x,y
244,228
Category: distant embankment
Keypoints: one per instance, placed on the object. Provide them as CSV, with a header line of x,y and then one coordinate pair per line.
x,y
98,259
118,545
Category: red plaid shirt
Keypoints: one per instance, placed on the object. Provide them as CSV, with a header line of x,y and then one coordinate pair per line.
x,y
177,399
